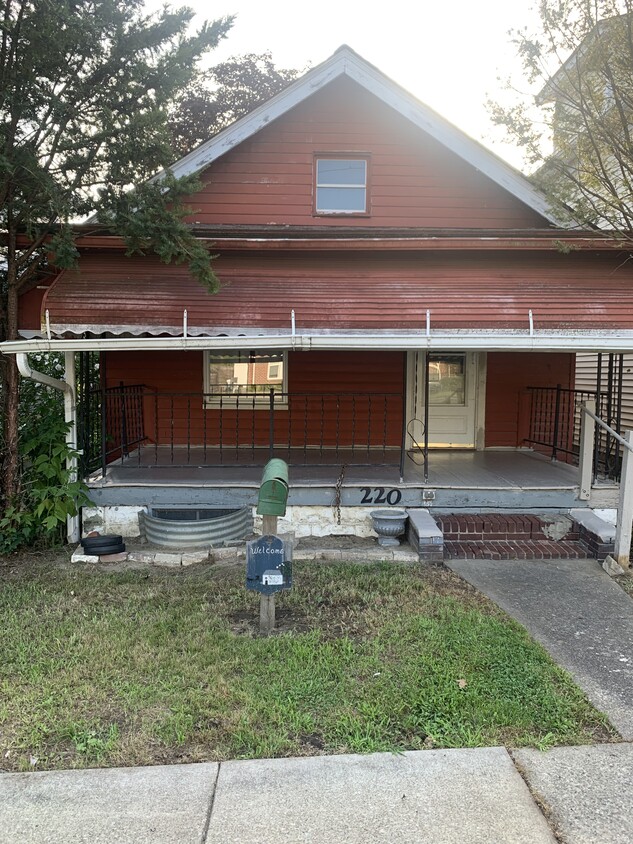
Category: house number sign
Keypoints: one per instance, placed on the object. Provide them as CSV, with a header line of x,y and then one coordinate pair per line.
x,y
380,495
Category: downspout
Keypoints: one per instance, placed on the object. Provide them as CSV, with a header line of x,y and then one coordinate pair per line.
x,y
68,387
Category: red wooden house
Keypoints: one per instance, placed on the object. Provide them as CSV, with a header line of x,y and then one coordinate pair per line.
x,y
398,319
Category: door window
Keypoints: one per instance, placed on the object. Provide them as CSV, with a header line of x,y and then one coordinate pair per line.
x,y
447,379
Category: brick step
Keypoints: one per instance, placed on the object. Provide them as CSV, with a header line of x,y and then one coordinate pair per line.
x,y
499,527
514,549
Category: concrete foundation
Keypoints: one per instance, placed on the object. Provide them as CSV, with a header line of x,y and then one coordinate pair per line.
x,y
115,519
323,521
300,521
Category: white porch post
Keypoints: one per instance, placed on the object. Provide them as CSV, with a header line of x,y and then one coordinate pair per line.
x,y
587,433
70,417
622,551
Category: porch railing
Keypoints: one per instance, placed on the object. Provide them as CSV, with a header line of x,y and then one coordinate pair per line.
x,y
555,420
146,427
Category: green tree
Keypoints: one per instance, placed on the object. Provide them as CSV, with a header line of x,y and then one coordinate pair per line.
x,y
85,86
226,92
575,126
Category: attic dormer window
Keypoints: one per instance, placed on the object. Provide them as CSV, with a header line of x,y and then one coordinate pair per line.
x,y
341,185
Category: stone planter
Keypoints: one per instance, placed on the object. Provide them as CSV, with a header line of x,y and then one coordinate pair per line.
x,y
389,524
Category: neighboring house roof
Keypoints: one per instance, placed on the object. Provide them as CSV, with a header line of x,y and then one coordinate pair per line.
x,y
549,91
346,62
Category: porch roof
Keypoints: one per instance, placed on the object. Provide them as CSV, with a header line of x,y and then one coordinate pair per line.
x,y
114,295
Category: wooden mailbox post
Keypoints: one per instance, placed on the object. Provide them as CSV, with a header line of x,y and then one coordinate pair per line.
x,y
269,558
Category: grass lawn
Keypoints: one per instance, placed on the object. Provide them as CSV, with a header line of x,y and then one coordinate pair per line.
x,y
144,667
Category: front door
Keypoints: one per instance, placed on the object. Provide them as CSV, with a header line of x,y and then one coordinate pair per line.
x,y
452,396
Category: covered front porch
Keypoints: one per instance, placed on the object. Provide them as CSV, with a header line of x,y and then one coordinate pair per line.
x,y
362,445
461,430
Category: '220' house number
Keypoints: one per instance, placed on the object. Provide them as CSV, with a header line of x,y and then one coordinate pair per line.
x,y
380,495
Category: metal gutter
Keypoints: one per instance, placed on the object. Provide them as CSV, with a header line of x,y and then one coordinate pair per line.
x,y
33,375
519,340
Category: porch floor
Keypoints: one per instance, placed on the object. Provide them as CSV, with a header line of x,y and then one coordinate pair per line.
x,y
520,469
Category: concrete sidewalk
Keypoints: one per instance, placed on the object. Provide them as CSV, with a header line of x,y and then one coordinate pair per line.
x,y
439,796
578,613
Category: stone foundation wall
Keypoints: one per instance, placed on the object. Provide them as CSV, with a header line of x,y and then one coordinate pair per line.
x,y
322,521
302,521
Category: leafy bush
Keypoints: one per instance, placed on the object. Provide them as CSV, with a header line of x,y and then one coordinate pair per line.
x,y
48,493
40,404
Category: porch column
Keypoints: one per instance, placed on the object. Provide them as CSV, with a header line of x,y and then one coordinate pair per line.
x,y
70,417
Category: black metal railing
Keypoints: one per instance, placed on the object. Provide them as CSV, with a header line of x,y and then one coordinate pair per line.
x,y
89,422
555,427
145,427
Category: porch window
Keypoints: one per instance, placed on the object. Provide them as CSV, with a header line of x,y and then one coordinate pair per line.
x,y
231,376
341,186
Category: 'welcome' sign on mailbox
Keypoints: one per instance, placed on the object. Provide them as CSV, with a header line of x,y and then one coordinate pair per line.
x,y
268,565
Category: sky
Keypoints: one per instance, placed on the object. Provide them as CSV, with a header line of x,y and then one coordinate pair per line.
x,y
448,54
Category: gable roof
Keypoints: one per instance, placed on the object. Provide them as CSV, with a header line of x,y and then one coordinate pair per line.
x,y
346,62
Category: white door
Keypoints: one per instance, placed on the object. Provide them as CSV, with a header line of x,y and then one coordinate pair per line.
x,y
453,382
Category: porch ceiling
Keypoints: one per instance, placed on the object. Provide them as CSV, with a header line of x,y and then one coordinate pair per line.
x,y
115,295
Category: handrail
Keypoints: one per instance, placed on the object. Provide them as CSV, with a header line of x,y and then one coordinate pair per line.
x,y
622,545
604,425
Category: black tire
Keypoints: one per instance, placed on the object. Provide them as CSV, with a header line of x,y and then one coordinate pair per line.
x,y
108,549
94,542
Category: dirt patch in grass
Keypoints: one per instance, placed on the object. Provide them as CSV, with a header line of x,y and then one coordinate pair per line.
x,y
147,667
344,542
626,582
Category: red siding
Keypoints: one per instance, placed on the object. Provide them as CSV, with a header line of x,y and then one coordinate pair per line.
x,y
414,181
313,373
508,376
507,401
345,290
30,309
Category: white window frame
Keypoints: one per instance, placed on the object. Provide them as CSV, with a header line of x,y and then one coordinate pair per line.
x,y
262,400
364,187
269,375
